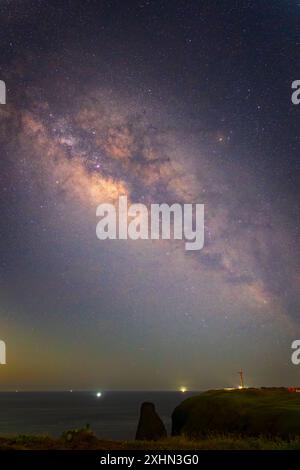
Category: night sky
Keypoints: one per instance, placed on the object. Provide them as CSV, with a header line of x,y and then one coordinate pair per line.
x,y
163,101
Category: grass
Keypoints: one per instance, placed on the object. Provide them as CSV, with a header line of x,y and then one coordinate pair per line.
x,y
86,440
274,413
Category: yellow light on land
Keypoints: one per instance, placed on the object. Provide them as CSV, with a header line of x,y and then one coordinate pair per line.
x,y
183,389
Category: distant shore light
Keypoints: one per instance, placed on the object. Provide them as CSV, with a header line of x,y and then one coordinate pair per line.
x,y
99,394
183,389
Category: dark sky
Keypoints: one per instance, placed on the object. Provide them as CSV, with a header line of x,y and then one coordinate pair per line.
x,y
164,101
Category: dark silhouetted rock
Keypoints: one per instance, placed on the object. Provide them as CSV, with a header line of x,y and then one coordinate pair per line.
x,y
150,427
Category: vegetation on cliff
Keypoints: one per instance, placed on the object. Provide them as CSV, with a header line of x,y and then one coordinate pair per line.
x,y
269,412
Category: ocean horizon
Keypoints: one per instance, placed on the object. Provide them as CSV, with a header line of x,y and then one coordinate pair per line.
x,y
111,415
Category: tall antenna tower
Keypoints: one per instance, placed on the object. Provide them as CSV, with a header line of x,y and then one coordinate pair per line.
x,y
241,374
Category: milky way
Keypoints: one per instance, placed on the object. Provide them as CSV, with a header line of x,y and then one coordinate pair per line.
x,y
94,113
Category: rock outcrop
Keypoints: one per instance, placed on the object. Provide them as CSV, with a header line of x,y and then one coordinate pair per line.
x,y
150,426
248,412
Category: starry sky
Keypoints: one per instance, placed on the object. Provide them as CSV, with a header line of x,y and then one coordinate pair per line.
x,y
182,101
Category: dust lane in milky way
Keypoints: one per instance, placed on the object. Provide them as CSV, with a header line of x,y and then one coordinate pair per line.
x,y
147,106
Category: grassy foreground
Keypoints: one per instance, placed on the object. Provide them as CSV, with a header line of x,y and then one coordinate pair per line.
x,y
86,440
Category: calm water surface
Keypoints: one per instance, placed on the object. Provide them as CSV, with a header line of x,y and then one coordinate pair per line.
x,y
114,415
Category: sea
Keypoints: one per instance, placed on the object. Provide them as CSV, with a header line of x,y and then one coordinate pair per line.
x,y
110,414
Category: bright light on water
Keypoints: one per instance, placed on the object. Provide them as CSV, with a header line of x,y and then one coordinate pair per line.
x,y
99,394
